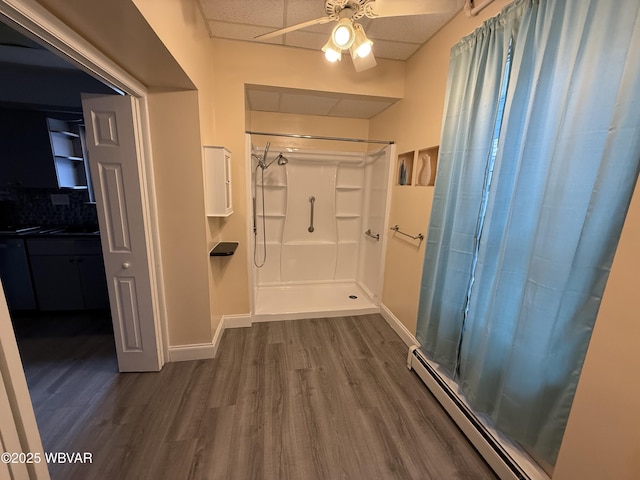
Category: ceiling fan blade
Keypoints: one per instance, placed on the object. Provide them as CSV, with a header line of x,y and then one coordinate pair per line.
x,y
364,63
282,31
398,8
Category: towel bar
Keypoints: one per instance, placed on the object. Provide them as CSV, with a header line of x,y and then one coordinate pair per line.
x,y
369,233
396,228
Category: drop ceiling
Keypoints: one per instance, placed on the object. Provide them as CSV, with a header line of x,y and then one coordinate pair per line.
x,y
308,102
395,38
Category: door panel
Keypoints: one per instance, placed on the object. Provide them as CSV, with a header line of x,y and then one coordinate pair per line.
x,y
117,229
114,146
126,296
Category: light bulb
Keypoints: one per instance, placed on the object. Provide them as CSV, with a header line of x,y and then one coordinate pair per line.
x,y
331,52
361,44
363,50
343,34
332,55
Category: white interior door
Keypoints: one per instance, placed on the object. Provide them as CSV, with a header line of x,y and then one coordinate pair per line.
x,y
114,146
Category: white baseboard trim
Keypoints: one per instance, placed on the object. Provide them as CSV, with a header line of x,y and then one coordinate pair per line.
x,y
203,351
237,321
407,337
196,351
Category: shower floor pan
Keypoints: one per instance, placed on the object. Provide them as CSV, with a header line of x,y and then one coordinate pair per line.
x,y
290,302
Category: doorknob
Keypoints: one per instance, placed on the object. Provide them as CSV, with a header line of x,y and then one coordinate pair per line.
x,y
126,265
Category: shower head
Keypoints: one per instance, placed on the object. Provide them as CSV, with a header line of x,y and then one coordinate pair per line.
x,y
280,159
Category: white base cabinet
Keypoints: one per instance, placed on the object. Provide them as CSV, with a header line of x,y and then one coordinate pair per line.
x,y
218,182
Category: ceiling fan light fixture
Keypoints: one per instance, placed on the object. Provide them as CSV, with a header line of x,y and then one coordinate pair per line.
x,y
361,45
343,34
331,52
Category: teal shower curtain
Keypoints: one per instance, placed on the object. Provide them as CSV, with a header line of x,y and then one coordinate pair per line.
x,y
522,236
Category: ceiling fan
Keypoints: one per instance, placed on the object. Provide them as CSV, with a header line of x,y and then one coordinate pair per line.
x,y
349,35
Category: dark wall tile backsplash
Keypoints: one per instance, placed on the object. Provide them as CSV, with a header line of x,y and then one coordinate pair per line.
x,y
25,206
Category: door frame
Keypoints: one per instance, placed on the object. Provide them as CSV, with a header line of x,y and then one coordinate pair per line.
x,y
35,21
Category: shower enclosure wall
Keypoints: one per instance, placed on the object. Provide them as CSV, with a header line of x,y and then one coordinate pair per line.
x,y
317,209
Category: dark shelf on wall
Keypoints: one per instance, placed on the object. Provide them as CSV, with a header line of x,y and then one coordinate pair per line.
x,y
224,249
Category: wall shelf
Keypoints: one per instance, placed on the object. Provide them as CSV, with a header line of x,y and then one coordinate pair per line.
x,y
417,168
224,249
68,154
404,174
427,166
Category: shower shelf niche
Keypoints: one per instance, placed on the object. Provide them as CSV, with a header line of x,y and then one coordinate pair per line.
x,y
404,175
417,168
427,166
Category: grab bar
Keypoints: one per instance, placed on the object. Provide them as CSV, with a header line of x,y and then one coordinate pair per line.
x,y
369,233
312,200
396,228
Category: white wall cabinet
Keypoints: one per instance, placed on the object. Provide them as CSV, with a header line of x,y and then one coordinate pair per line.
x,y
218,199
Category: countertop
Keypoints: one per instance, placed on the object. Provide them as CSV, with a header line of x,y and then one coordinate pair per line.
x,y
50,231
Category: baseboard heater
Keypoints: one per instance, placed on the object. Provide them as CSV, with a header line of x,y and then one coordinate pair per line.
x,y
500,454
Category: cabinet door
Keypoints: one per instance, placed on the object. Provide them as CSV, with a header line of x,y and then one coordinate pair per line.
x,y
218,182
57,282
94,282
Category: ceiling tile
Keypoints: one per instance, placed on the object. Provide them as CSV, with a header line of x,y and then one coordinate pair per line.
x,y
299,11
393,50
253,12
238,31
304,39
263,101
359,108
311,104
405,29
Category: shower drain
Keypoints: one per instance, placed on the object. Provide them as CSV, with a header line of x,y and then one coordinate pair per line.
x,y
353,297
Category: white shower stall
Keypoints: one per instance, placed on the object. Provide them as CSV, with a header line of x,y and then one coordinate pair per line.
x,y
316,233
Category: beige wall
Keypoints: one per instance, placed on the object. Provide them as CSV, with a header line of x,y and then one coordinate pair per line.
x,y
602,439
240,63
414,123
309,125
184,33
183,30
178,178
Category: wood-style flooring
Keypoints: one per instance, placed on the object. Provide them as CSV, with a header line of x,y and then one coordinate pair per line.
x,y
327,398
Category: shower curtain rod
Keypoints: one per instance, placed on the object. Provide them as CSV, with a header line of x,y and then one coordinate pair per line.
x,y
316,137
